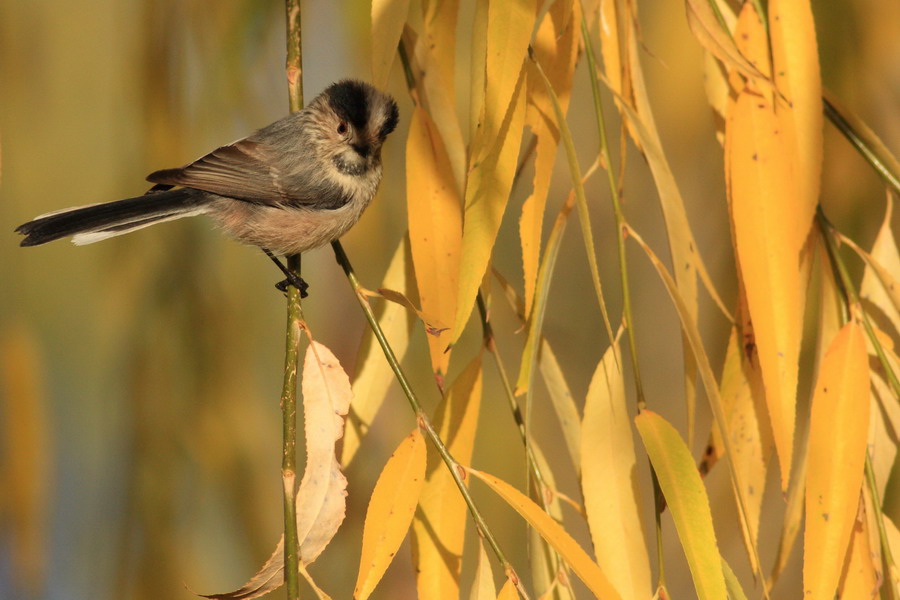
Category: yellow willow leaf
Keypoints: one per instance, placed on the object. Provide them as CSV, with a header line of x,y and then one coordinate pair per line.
x,y
508,591
893,536
762,192
477,68
706,28
440,524
692,335
609,483
509,27
562,401
556,48
483,586
373,373
586,569
535,321
487,192
881,279
839,424
434,213
26,457
751,39
390,511
435,57
735,591
884,430
751,439
388,17
610,47
321,499
795,59
859,579
686,498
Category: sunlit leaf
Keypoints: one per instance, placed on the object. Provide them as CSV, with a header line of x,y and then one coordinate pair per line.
x,y
837,445
562,401
751,439
686,498
390,511
508,591
434,68
556,48
487,192
881,279
609,483
440,524
859,579
483,586
373,373
762,189
732,583
388,17
795,60
709,32
434,212
535,322
586,569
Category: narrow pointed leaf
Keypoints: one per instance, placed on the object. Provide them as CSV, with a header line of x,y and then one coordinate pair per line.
x,y
609,483
388,17
762,189
434,212
686,498
837,445
390,511
586,569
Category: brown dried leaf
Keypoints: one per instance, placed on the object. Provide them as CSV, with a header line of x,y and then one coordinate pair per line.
x,y
320,500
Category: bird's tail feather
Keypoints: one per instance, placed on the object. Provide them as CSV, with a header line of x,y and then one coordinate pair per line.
x,y
88,224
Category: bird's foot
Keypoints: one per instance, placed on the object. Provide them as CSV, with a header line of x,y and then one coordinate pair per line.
x,y
295,281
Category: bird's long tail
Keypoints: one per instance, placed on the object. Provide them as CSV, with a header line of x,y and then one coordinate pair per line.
x,y
89,224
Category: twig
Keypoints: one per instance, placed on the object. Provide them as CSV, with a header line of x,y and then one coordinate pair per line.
x,y
294,70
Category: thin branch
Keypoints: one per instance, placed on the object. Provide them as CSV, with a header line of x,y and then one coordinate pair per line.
x,y
294,71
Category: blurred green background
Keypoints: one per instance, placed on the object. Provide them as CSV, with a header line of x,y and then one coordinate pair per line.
x,y
140,377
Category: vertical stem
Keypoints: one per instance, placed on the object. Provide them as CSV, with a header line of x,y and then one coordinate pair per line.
x,y
294,71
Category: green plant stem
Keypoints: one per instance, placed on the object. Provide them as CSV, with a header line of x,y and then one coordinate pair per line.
x,y
294,71
871,157
456,469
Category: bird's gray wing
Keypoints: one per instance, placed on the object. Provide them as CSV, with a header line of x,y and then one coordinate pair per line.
x,y
246,170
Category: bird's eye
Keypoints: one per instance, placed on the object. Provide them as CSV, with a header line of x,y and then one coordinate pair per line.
x,y
342,128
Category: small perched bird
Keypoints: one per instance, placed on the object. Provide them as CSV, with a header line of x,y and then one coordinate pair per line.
x,y
294,185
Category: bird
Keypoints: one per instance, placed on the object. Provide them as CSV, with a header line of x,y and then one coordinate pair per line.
x,y
292,186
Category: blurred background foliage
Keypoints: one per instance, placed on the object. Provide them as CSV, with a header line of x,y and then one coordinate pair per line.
x,y
140,378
